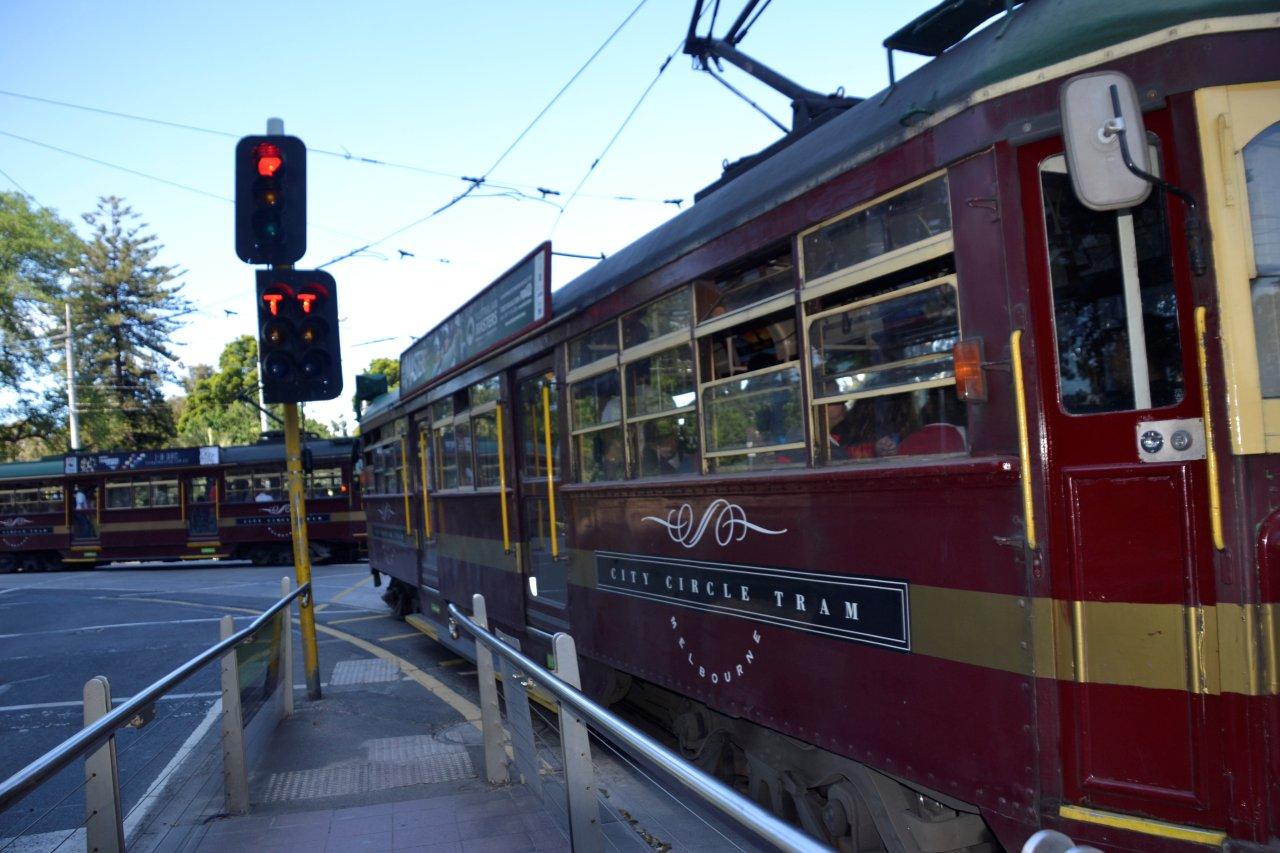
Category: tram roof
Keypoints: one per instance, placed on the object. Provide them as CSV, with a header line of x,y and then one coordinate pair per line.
x,y
1039,34
380,404
31,470
273,451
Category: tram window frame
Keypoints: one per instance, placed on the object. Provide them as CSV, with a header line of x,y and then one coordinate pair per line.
x,y
768,282
387,461
484,398
900,268
444,449
879,416
788,448
602,428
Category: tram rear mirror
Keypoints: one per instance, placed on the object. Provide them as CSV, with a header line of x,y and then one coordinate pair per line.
x,y
1101,117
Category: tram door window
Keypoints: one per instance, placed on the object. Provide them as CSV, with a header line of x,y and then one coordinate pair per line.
x,y
1125,534
537,410
1115,310
202,505
84,509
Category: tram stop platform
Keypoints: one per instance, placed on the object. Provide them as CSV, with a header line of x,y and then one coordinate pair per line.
x,y
391,758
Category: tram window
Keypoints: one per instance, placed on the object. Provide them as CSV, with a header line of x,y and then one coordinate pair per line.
x,y
751,408
1115,310
42,499
909,217
1262,183
745,286
596,405
484,429
325,483
488,391
256,485
661,417
663,317
593,346
142,493
462,439
548,577
444,449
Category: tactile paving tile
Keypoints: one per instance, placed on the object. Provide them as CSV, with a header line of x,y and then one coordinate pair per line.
x,y
393,763
363,671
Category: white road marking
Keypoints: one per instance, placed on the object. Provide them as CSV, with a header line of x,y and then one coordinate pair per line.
x,y
149,799
115,625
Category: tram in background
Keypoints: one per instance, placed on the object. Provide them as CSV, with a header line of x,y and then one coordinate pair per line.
x,y
912,495
87,509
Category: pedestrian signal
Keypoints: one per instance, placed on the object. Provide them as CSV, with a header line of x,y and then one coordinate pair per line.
x,y
299,353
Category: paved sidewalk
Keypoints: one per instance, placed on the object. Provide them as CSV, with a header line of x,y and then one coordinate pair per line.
x,y
497,821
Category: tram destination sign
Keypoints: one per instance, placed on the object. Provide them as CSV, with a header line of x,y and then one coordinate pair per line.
x,y
517,302
848,607
140,460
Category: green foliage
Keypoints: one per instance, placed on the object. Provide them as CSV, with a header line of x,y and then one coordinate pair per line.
x,y
125,310
388,367
36,251
220,407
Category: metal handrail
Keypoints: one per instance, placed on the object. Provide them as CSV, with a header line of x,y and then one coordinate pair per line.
x,y
709,788
93,736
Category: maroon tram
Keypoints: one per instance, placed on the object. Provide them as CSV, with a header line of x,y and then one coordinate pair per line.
x,y
178,504
928,502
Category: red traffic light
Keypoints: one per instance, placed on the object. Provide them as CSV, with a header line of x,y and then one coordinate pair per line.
x,y
267,155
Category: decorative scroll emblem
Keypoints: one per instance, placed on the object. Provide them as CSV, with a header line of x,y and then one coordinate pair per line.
x,y
385,512
276,509
728,520
14,522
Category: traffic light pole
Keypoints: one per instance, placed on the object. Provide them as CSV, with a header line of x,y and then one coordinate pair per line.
x,y
301,546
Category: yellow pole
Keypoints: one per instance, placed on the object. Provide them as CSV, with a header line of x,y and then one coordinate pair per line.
x,y
502,483
551,486
301,548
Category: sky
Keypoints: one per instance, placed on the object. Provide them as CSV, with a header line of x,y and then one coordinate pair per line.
x,y
434,91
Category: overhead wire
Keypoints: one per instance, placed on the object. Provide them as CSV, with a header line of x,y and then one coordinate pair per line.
x,y
630,115
476,183
13,181
343,154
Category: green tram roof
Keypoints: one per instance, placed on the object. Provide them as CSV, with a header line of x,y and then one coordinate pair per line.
x,y
41,470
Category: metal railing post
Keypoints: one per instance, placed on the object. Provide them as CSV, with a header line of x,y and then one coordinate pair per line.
x,y
286,653
233,766
579,774
495,757
104,818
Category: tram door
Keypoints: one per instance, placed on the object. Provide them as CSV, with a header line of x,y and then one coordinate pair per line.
x,y
200,498
1128,543
545,568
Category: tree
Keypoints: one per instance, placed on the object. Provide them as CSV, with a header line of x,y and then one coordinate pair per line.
x,y
36,251
221,405
125,310
388,367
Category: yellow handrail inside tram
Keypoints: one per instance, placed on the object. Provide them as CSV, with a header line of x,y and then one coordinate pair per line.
x,y
551,490
404,482
1210,454
502,484
426,485
182,499
1024,442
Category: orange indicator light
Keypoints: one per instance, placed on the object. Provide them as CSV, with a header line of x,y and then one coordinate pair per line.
x,y
971,382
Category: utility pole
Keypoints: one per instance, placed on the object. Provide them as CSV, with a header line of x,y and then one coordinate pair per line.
x,y
71,382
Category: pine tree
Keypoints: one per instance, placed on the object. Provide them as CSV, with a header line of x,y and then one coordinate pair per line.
x,y
125,310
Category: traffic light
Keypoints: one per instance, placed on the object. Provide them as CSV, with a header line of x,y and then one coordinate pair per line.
x,y
299,355
271,199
